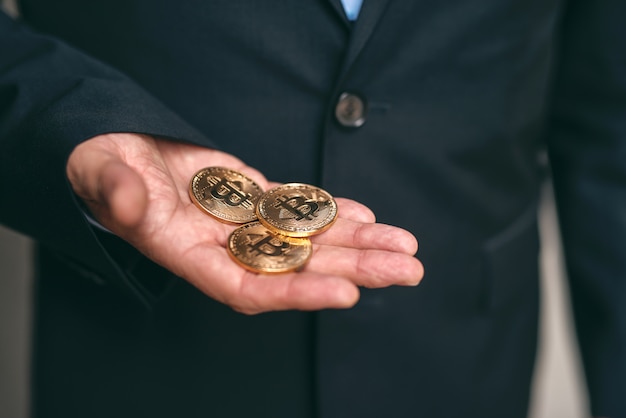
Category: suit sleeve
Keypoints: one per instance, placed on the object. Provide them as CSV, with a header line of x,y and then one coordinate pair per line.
x,y
52,97
587,147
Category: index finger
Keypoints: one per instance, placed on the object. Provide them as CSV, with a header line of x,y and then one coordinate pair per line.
x,y
348,233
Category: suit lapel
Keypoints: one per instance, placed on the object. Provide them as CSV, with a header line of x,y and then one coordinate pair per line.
x,y
336,4
369,16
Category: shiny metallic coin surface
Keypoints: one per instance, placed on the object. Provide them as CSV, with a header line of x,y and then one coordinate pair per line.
x,y
297,210
225,194
256,248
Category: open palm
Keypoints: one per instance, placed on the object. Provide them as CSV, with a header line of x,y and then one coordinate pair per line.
x,y
136,186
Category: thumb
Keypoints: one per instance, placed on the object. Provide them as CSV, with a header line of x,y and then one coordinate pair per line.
x,y
115,193
123,192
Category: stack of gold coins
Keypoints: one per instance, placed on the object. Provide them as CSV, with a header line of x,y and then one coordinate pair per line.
x,y
277,223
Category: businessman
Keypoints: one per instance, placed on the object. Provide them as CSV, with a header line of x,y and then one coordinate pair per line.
x,y
434,116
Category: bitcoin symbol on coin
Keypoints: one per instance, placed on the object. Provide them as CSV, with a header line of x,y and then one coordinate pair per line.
x,y
225,194
269,246
296,210
230,192
298,206
257,249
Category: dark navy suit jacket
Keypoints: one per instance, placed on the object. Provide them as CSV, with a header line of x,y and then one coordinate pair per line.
x,y
465,99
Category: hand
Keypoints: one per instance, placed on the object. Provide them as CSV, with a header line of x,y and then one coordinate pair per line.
x,y
136,186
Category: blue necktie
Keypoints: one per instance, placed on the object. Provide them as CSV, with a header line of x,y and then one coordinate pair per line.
x,y
352,8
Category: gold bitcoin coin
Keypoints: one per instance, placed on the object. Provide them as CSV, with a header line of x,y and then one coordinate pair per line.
x,y
297,210
225,194
256,248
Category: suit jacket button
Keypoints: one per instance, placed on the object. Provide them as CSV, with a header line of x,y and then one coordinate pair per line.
x,y
350,110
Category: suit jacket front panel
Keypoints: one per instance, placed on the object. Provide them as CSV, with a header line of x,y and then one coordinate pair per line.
x,y
451,146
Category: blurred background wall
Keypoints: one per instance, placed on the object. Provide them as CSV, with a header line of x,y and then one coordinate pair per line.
x,y
558,390
15,317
